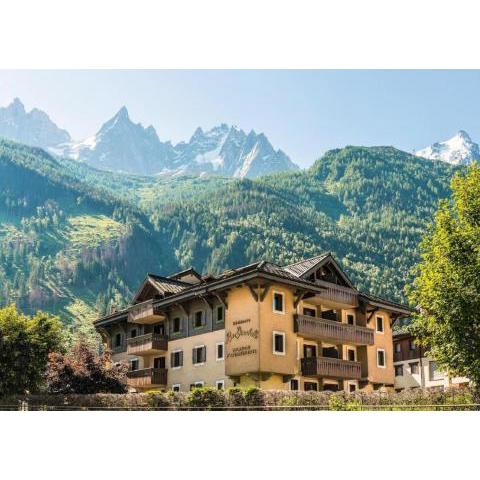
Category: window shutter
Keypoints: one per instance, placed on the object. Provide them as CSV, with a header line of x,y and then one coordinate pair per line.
x,y
172,356
204,354
181,358
193,355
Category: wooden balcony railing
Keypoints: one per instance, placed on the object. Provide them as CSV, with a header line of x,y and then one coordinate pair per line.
x,y
406,355
147,377
331,368
147,344
144,313
330,330
337,294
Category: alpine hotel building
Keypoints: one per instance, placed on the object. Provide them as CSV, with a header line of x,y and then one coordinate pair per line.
x,y
300,327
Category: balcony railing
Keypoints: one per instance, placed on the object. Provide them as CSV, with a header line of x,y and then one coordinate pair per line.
x,y
147,377
144,313
147,344
330,330
331,368
337,294
406,355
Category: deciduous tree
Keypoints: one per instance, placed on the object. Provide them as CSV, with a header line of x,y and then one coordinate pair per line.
x,y
447,287
82,370
25,343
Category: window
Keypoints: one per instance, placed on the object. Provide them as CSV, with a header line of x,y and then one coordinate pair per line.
x,y
199,355
219,351
278,302
196,385
414,368
220,314
293,384
134,364
399,370
309,312
177,325
176,359
310,386
133,333
381,361
350,319
118,340
435,374
176,387
220,384
351,354
198,321
398,347
278,343
379,325
412,345
352,387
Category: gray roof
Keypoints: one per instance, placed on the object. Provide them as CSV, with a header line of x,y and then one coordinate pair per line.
x,y
300,268
167,285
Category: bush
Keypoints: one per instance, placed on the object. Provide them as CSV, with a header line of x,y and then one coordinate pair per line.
x,y
237,399
206,398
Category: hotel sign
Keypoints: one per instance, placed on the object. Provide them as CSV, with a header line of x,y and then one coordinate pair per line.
x,y
242,333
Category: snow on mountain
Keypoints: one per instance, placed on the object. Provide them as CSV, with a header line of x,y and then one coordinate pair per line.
x,y
459,150
122,145
33,128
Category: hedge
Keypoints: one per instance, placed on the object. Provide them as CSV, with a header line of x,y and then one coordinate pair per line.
x,y
252,399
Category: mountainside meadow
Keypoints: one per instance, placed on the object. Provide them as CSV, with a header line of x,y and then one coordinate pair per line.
x,y
74,240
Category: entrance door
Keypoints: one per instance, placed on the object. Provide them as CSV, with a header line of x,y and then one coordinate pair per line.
x,y
309,351
159,362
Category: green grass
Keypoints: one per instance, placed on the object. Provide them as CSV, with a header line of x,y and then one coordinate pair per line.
x,y
91,230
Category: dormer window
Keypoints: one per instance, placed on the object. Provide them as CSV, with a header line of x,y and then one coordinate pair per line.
x,y
198,321
177,325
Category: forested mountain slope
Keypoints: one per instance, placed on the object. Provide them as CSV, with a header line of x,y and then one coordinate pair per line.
x,y
66,246
74,240
368,206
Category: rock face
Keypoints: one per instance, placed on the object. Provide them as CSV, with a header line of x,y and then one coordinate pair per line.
x,y
459,150
32,128
124,146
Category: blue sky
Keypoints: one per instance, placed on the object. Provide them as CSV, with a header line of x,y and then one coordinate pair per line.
x,y
303,112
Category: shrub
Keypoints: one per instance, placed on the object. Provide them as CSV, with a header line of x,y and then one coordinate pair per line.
x,y
206,398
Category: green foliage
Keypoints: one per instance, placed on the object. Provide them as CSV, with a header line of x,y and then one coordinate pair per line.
x,y
68,233
25,343
83,371
206,398
235,399
369,206
447,286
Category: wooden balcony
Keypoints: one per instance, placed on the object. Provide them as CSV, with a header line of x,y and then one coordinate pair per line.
x,y
144,313
332,331
331,368
337,294
147,377
148,344
406,355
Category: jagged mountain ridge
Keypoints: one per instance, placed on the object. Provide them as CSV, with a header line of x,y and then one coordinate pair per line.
x,y
458,150
33,128
124,146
